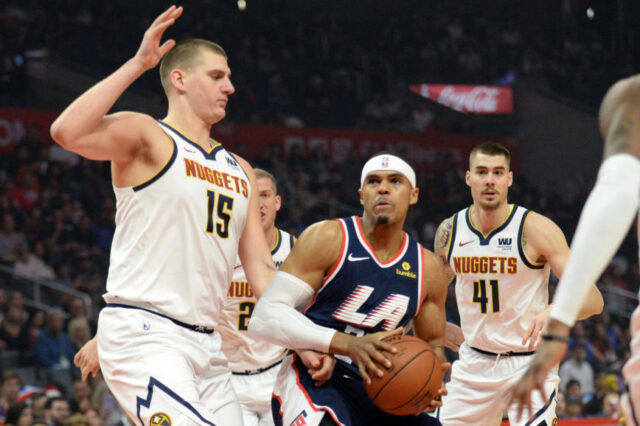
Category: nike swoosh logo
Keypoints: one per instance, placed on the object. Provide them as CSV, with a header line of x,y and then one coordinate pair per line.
x,y
461,244
350,258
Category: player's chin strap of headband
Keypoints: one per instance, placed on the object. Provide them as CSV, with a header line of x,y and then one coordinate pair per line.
x,y
390,163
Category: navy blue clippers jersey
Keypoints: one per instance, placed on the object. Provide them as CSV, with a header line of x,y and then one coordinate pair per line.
x,y
362,295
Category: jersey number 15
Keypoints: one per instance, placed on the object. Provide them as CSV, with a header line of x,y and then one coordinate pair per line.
x,y
220,206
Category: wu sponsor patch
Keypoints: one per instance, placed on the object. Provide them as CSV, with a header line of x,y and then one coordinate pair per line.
x,y
160,419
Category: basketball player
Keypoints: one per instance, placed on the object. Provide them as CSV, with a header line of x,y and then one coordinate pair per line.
x,y
608,213
186,208
255,363
500,254
361,280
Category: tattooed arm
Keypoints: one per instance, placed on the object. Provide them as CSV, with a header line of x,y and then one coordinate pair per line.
x,y
441,246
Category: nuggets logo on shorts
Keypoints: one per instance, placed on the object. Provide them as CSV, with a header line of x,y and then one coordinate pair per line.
x,y
160,419
554,422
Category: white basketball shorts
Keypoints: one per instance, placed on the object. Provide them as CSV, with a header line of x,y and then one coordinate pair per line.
x,y
164,374
479,390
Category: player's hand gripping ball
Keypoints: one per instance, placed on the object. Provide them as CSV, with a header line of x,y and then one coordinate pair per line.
x,y
412,381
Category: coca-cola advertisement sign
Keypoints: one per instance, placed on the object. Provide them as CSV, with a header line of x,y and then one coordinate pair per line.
x,y
469,98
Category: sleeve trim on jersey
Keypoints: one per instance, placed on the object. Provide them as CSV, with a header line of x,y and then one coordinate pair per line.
x,y
162,171
452,237
420,279
485,239
292,240
523,254
276,246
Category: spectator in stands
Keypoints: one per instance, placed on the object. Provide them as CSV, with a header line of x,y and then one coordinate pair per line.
x,y
579,336
53,348
604,354
610,404
78,419
35,325
594,401
576,367
11,384
574,408
14,336
19,414
79,332
57,411
561,405
38,405
78,309
10,239
81,398
30,264
94,417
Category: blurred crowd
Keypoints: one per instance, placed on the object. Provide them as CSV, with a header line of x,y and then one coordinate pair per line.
x,y
326,65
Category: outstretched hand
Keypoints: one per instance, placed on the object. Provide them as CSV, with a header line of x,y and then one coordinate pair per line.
x,y
150,51
87,359
549,354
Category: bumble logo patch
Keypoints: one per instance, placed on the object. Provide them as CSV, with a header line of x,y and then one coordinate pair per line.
x,y
160,419
406,270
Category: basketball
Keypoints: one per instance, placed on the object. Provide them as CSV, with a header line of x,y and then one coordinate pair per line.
x,y
415,375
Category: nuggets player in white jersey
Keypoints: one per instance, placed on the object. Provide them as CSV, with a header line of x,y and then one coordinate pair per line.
x,y
606,218
500,255
254,363
186,208
359,279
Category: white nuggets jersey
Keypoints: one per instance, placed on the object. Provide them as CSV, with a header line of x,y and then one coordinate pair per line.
x,y
244,352
176,237
499,291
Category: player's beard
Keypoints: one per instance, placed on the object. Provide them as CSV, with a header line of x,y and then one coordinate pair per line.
x,y
382,220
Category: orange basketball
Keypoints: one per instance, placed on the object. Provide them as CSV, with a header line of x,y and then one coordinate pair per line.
x,y
415,375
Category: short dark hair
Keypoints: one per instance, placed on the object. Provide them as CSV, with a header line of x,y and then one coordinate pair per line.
x,y
490,148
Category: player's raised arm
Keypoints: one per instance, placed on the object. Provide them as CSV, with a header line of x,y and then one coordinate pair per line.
x,y
605,220
84,126
253,249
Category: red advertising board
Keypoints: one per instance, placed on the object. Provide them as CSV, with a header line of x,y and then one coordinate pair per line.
x,y
14,123
423,149
469,98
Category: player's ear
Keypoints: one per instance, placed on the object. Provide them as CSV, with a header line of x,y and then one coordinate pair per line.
x,y
414,196
467,178
278,203
510,177
360,196
177,80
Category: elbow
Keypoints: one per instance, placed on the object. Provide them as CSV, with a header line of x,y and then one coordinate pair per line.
x,y
62,134
59,134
